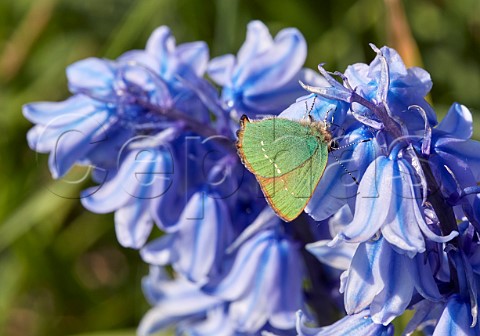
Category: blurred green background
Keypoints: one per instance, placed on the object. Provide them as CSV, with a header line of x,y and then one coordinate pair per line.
x,y
61,270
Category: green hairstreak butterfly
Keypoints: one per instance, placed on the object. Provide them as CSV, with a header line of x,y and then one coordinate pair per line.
x,y
287,157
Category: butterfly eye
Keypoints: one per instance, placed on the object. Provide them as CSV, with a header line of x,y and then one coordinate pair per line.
x,y
334,145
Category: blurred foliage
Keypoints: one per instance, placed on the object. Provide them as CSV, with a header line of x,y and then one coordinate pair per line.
x,y
61,270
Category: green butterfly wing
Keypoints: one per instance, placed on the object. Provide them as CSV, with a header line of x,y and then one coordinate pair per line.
x,y
288,159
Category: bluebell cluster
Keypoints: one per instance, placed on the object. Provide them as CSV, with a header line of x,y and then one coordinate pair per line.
x,y
393,224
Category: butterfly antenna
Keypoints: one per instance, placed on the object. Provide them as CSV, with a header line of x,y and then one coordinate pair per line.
x,y
325,119
311,108
351,144
313,104
340,163
308,111
345,168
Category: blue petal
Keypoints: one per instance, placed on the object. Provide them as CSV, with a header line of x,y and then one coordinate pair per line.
x,y
45,112
357,75
91,75
275,67
153,284
133,224
73,141
401,226
161,45
358,324
276,292
111,195
106,165
397,292
406,86
160,251
265,220
317,107
258,41
336,186
338,256
220,69
195,55
204,232
396,66
374,194
248,260
365,279
457,123
271,102
456,319
462,157
340,220
427,313
422,78
143,175
264,281
180,300
422,277
287,295
57,119
251,311
216,323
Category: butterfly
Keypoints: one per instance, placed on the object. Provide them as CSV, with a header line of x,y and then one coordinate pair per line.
x,y
287,157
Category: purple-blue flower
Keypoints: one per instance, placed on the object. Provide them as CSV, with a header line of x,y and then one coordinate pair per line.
x,y
397,208
389,201
116,100
384,281
178,302
144,176
263,77
195,246
263,279
360,324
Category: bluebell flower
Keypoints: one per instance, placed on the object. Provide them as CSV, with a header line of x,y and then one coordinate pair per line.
x,y
397,191
340,255
459,313
116,100
389,201
195,246
384,281
143,176
456,319
263,281
360,324
457,160
69,130
180,302
404,87
398,204
144,100
263,78
425,318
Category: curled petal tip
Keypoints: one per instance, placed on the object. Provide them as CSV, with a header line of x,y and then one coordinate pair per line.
x,y
313,89
375,48
335,241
